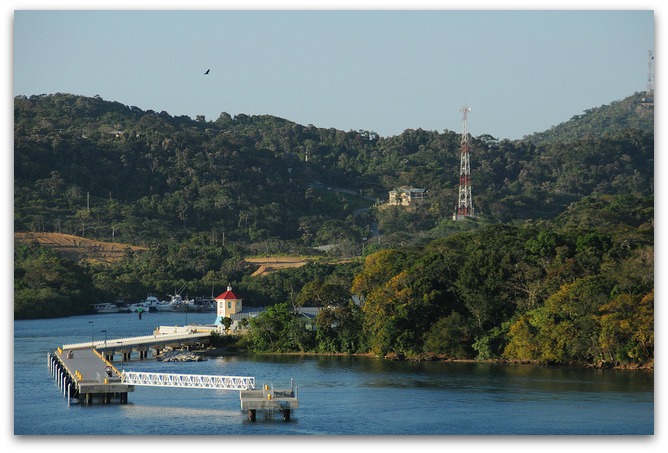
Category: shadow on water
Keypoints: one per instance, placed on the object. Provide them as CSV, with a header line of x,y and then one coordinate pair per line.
x,y
461,376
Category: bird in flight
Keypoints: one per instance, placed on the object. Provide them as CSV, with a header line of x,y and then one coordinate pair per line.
x,y
207,71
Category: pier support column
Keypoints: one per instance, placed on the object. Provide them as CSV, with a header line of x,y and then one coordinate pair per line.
x,y
251,415
286,414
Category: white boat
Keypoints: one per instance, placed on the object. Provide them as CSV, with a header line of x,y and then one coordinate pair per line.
x,y
151,304
106,307
177,303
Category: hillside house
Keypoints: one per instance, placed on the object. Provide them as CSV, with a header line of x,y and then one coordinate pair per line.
x,y
407,196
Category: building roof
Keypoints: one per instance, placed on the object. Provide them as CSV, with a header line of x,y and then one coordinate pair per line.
x,y
250,312
408,189
228,295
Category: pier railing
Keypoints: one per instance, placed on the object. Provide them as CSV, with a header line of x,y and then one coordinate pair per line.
x,y
188,380
135,341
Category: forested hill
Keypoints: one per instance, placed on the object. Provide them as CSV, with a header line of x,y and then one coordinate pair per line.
x,y
91,167
85,163
556,267
633,112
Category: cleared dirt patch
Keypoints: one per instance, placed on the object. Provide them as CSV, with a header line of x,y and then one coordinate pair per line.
x,y
78,248
276,263
273,264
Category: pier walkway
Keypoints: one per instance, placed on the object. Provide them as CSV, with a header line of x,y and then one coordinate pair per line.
x,y
188,380
160,340
83,372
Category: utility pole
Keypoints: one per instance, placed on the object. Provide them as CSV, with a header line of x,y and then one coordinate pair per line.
x,y
465,202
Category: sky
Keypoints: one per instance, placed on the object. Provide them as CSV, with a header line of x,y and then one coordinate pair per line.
x,y
384,71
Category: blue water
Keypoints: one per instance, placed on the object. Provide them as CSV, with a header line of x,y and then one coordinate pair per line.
x,y
338,395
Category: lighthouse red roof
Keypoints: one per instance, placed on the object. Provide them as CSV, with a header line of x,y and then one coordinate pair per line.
x,y
227,295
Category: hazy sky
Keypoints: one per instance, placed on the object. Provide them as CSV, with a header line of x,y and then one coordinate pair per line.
x,y
383,71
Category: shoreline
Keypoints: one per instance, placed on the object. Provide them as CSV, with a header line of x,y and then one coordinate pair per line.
x,y
226,350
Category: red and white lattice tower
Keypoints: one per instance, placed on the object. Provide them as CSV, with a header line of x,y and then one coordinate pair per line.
x,y
648,99
650,73
465,204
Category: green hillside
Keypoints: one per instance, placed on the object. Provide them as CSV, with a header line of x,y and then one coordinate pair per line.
x,y
556,267
632,112
99,169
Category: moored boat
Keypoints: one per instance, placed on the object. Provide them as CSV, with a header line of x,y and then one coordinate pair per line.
x,y
151,304
106,307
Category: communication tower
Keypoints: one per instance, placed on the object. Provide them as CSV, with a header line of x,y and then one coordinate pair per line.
x,y
649,93
650,73
465,204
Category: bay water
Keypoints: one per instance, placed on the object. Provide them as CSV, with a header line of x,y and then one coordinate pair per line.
x,y
338,395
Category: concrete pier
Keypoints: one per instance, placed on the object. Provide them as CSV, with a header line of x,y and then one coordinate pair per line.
x,y
270,401
84,371
86,375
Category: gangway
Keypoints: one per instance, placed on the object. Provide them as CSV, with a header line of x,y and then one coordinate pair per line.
x,y
187,380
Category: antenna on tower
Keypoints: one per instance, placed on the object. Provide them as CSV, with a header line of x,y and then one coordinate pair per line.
x,y
465,203
650,72
649,93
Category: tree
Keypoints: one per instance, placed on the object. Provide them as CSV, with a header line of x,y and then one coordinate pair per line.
x,y
450,336
568,323
378,268
47,285
627,330
339,329
491,257
227,322
317,293
277,329
523,341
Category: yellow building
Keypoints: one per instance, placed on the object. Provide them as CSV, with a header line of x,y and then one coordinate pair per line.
x,y
407,196
227,304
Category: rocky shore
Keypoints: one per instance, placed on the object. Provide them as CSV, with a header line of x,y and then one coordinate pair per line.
x,y
179,356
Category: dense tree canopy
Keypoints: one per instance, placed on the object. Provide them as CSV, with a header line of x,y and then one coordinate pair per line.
x,y
557,267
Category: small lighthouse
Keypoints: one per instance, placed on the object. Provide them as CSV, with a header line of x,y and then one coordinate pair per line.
x,y
227,304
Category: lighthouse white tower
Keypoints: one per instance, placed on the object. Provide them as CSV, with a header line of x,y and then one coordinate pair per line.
x,y
227,304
